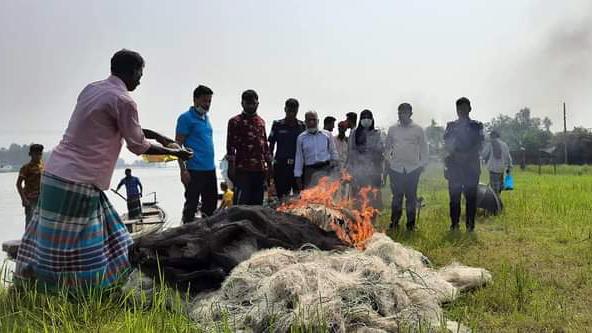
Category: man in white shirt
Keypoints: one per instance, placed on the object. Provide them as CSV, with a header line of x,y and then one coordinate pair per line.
x,y
407,154
316,155
341,143
496,155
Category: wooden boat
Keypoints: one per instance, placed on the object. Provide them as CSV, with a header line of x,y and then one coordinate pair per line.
x,y
152,220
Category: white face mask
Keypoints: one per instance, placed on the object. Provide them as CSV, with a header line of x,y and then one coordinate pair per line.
x,y
366,122
201,110
312,130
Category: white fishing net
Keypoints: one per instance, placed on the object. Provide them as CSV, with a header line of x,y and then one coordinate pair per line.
x,y
386,288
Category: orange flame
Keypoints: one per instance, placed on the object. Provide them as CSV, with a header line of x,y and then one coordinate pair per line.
x,y
331,194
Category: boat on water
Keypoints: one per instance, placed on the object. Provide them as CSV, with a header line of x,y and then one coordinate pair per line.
x,y
152,220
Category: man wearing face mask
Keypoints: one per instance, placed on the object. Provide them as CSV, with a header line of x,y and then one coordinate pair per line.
x,y
316,154
198,174
463,140
248,154
407,156
284,133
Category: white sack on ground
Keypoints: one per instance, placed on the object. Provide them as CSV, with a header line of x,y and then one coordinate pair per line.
x,y
384,288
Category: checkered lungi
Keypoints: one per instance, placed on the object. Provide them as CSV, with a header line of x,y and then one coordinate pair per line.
x,y
75,238
134,207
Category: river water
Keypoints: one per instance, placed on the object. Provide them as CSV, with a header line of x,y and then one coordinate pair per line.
x,y
164,181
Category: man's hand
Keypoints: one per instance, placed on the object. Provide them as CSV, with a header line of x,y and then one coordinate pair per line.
x,y
185,177
299,183
184,154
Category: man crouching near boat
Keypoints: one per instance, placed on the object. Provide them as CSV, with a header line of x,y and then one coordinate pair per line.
x,y
76,238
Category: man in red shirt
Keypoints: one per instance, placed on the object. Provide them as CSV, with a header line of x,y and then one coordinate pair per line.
x,y
248,152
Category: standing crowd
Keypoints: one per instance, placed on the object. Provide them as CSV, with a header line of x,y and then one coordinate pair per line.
x,y
74,236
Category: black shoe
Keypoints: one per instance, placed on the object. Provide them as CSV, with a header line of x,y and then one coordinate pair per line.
x,y
454,227
410,227
394,226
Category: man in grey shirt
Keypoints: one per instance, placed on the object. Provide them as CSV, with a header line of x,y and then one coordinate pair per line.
x,y
406,155
496,155
316,154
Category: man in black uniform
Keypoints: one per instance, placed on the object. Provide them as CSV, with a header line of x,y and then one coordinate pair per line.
x,y
284,132
463,139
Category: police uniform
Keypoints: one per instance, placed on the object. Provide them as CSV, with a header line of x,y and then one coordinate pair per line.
x,y
463,140
284,136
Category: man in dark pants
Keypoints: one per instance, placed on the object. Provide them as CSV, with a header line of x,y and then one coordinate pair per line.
x,y
284,133
133,191
463,139
198,174
406,155
248,154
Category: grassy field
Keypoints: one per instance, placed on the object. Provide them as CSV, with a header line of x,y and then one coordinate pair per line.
x,y
539,251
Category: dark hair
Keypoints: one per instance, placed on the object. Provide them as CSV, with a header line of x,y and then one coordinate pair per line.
x,y
351,115
36,148
463,101
201,91
223,184
125,62
249,95
405,106
128,170
292,103
328,120
360,134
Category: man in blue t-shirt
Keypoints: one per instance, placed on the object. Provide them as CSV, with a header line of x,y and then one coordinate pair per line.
x,y
133,190
198,174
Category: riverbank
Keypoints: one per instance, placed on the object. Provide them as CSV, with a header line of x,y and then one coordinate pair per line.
x,y
539,252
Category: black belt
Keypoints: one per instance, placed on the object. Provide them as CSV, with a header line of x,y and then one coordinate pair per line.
x,y
284,161
318,165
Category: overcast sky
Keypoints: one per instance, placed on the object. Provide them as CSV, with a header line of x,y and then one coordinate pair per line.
x,y
334,56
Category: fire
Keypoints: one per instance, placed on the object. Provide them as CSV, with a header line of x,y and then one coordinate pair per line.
x,y
332,193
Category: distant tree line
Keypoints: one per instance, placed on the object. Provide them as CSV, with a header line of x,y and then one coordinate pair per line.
x,y
530,138
16,155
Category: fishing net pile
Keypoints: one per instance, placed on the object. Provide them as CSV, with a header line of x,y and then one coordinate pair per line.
x,y
198,256
386,287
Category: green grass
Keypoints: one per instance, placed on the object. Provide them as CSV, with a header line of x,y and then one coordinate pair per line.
x,y
539,251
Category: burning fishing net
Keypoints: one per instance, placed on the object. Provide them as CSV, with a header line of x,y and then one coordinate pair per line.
x,y
386,287
261,270
330,206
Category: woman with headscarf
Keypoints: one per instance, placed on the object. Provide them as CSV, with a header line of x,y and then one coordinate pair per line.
x,y
365,161
496,155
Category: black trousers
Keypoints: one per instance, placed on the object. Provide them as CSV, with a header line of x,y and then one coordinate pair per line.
x,y
249,188
203,185
404,185
313,173
455,190
283,177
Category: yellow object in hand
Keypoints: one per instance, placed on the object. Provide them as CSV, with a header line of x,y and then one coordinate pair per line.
x,y
162,158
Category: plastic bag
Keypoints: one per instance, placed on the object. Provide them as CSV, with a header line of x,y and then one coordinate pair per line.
x,y
508,182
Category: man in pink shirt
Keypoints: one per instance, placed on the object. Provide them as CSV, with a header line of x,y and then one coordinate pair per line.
x,y
76,238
